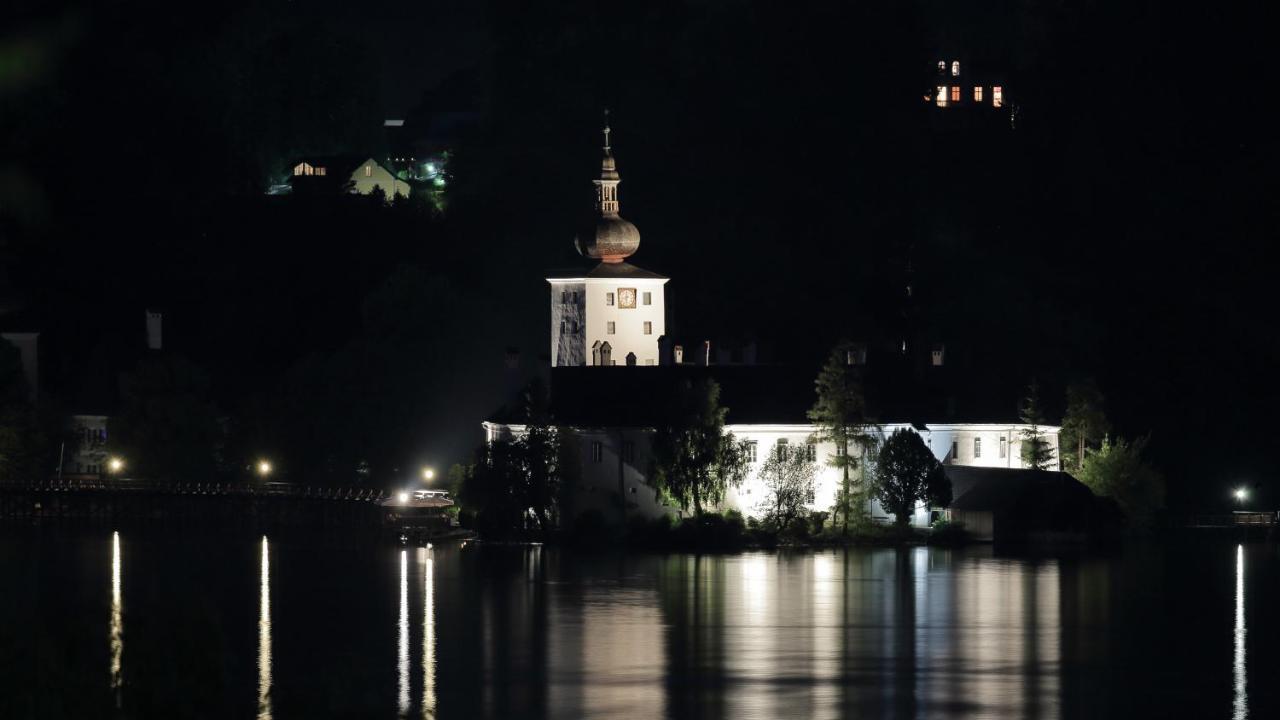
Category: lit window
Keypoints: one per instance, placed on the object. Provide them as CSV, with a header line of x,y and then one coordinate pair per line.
x,y
368,171
941,96
648,298
977,93
608,298
752,448
648,327
955,68
597,451
977,447
955,93
613,327
942,66
320,171
997,96
1004,447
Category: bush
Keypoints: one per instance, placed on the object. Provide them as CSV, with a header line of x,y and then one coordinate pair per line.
x,y
946,532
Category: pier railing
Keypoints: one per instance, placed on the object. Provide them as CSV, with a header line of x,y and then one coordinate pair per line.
x,y
224,489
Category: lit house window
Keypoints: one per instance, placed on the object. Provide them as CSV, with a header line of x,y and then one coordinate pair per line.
x,y
955,68
977,447
648,298
955,93
648,327
302,169
608,298
942,66
977,93
1004,447
320,171
368,171
613,327
997,96
597,451
941,96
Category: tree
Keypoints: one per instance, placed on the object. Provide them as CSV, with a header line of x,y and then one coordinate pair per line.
x,y
167,428
694,460
906,474
1037,454
790,477
1085,426
840,414
22,444
1117,470
542,457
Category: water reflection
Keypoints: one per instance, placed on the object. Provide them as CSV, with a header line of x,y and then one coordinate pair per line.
x,y
117,620
403,645
1241,706
264,633
428,634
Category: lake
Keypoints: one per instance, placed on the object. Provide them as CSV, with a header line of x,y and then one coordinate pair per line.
x,y
199,624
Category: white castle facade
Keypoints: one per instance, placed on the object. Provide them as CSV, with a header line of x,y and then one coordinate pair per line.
x,y
614,315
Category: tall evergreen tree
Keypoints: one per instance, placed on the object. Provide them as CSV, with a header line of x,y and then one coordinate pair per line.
x,y
840,413
1085,425
1037,453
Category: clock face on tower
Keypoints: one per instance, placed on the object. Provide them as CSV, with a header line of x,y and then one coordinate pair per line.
x,y
626,297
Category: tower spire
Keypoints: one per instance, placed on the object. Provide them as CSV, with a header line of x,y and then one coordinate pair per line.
x,y
614,238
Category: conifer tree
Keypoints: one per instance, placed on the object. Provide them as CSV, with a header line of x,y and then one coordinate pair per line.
x,y
1037,454
841,416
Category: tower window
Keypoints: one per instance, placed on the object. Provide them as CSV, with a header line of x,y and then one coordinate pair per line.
x,y
1004,447
941,96
649,361
564,296
955,68
648,298
955,451
563,326
608,298
977,447
955,93
597,451
997,96
977,93
612,328
648,327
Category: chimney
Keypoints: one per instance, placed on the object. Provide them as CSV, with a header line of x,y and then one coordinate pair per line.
x,y
154,328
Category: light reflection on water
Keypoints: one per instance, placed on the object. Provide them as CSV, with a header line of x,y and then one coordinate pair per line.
x,y
545,633
264,633
1241,705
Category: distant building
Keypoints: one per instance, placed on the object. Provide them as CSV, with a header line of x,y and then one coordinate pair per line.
x,y
345,174
85,455
966,96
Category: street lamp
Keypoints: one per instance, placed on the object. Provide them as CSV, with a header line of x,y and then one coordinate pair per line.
x,y
428,474
264,468
115,465
1241,494
403,497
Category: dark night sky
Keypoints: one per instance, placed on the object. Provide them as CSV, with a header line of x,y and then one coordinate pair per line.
x,y
1119,232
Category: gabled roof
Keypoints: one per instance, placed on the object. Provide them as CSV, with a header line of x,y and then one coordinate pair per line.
x,y
998,489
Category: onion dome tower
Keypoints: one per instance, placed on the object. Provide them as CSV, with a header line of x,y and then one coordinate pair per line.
x,y
613,238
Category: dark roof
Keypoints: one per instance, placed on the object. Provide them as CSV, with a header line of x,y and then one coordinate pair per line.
x,y
620,270
754,394
998,489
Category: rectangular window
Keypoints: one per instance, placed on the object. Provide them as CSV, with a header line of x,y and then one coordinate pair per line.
x,y
955,450
564,325
977,447
955,68
573,296
997,96
752,450
1004,447
613,327
320,171
648,327
608,299
941,96
564,296
840,450
649,361
629,451
955,93
368,171
648,298
977,93
810,452
597,451
781,449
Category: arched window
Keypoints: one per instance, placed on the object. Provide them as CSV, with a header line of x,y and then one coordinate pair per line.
x,y
595,353
606,354
631,359
955,68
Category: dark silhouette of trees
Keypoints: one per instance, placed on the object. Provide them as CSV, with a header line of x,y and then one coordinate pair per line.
x,y
694,460
1037,453
167,427
1085,425
840,412
1117,470
906,474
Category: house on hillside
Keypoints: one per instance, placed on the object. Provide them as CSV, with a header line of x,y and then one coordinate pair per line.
x,y
334,174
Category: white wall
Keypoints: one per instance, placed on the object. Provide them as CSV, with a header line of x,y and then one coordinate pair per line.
x,y
599,483
568,348
629,336
380,177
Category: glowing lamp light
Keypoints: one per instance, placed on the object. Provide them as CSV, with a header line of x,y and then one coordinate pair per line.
x,y
403,497
264,468
115,465
428,474
1241,494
